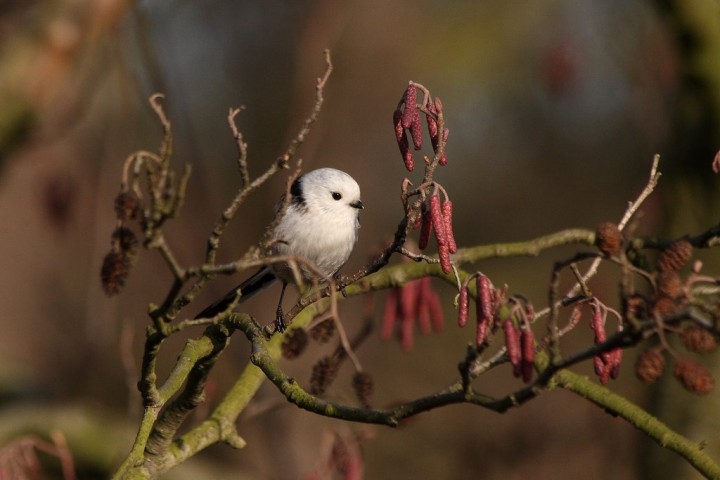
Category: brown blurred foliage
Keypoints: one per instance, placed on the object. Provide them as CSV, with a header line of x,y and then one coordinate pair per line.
x,y
557,108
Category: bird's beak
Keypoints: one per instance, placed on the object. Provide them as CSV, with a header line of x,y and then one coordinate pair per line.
x,y
357,204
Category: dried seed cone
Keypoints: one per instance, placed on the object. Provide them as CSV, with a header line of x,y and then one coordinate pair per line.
x,y
294,343
693,376
697,339
126,205
363,385
669,284
675,256
650,365
114,272
126,240
664,306
608,238
324,331
323,374
634,307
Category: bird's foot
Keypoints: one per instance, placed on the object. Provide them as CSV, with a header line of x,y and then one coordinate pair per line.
x,y
280,321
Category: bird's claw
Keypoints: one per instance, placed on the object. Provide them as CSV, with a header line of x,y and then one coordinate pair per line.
x,y
280,321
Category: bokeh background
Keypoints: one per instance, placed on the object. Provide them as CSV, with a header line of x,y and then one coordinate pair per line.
x,y
555,108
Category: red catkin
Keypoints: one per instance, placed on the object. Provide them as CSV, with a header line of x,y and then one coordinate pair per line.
x,y
410,105
484,295
436,311
416,131
617,356
425,229
421,305
444,256
438,222
481,331
527,345
512,343
463,306
402,141
390,315
447,216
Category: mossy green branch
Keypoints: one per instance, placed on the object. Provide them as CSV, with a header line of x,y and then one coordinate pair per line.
x,y
640,419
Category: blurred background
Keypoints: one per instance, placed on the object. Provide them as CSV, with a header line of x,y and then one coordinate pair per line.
x,y
555,109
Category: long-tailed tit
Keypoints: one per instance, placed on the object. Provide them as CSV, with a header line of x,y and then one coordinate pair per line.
x,y
319,226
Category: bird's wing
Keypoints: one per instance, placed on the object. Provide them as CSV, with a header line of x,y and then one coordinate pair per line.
x,y
261,279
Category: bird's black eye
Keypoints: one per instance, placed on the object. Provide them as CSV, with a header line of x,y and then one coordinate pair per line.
x,y
336,195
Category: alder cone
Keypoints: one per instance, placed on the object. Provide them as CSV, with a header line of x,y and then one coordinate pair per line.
x,y
650,365
608,238
675,256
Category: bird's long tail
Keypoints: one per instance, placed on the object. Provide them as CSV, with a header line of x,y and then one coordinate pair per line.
x,y
261,279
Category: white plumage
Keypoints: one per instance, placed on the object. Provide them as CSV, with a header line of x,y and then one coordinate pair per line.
x,y
319,226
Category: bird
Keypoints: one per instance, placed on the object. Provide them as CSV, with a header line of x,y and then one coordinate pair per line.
x,y
320,225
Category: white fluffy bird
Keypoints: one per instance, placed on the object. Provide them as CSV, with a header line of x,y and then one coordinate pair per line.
x,y
320,226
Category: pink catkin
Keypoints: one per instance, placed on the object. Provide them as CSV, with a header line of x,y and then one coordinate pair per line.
x,y
481,331
463,306
422,307
406,333
425,230
512,343
436,312
436,216
410,105
402,141
485,297
416,131
617,356
390,315
447,216
438,224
